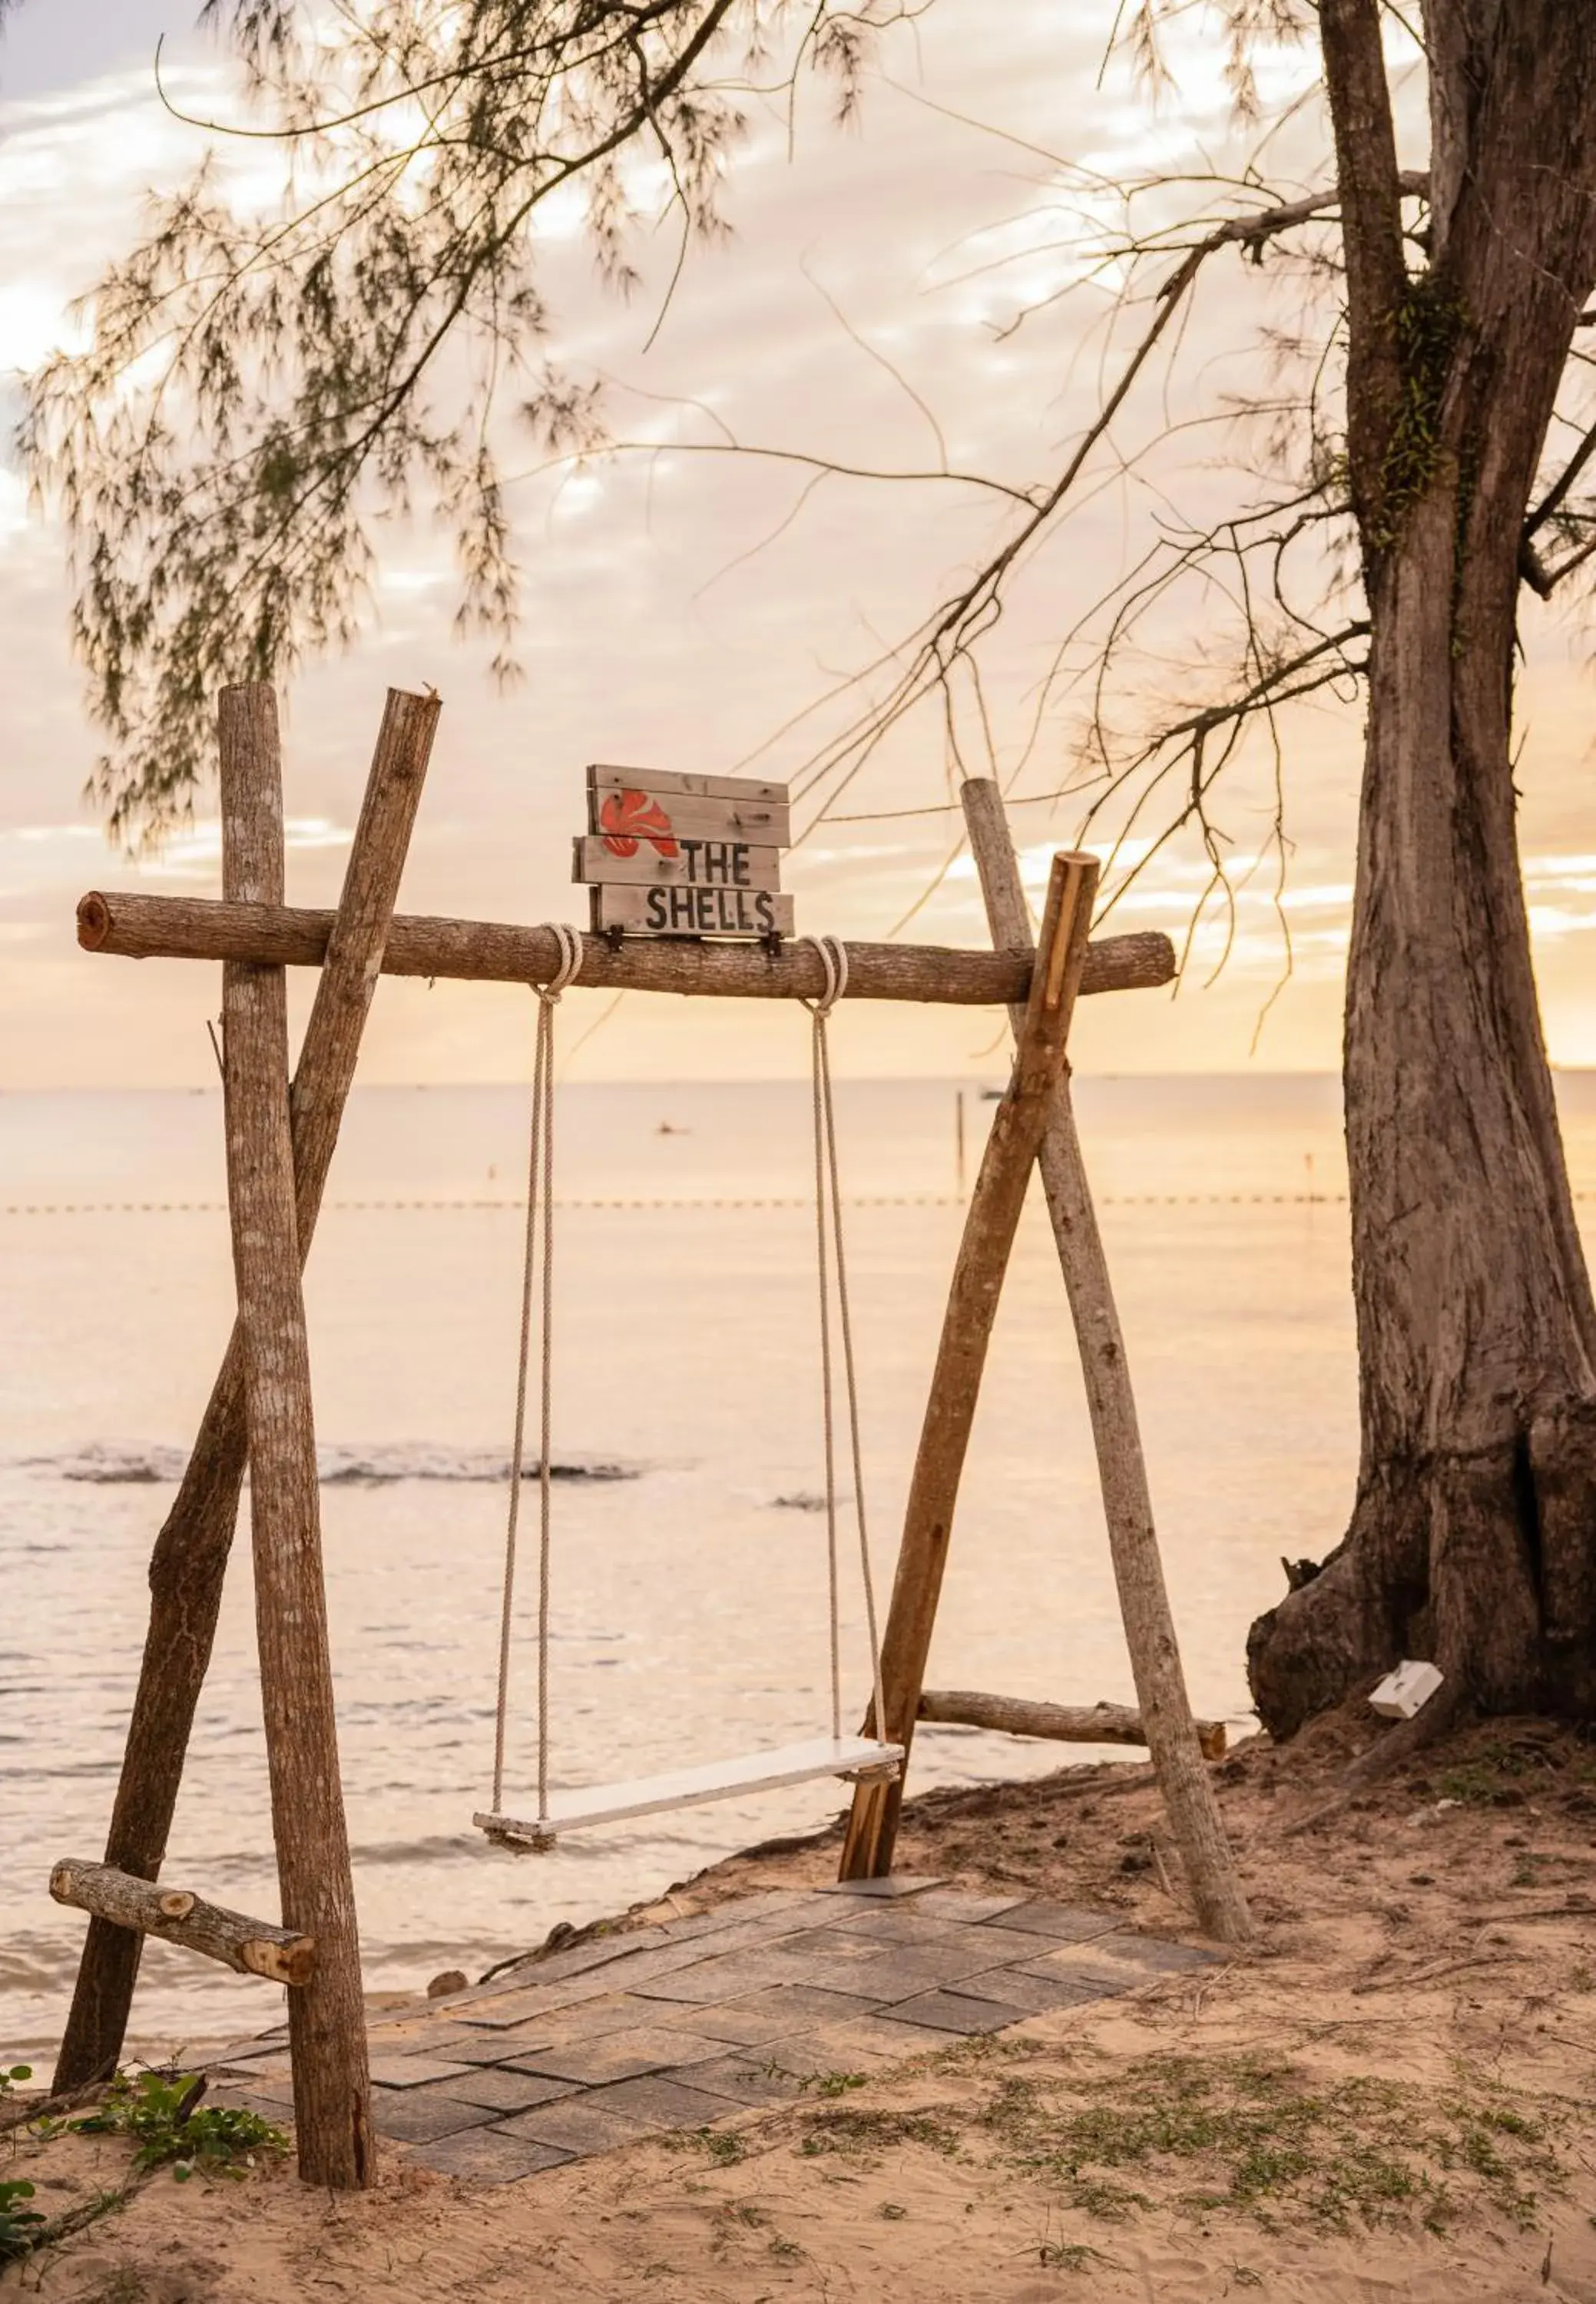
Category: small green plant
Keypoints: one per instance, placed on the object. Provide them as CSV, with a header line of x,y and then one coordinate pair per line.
x,y
854,2130
163,2114
20,2225
10,2074
1068,2254
835,2084
724,2145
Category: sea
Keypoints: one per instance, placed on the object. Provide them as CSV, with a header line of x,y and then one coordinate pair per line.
x,y
688,1576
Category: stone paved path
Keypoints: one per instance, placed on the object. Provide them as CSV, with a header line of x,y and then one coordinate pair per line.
x,y
690,2023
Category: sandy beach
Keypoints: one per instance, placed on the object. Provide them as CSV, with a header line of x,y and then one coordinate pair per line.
x,y
1389,2097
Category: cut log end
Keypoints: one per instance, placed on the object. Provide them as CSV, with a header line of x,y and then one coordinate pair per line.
x,y
176,1915
94,921
280,1964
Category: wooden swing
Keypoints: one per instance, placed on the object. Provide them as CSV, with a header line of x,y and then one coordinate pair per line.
x,y
863,1757
280,1139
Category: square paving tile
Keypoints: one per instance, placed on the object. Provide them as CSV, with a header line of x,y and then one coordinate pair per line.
x,y
761,1935
617,2012
1092,1979
792,2007
269,2087
516,2008
753,2077
965,1904
1065,1923
812,2056
659,2102
727,1979
898,1884
502,2092
253,2052
848,1937
951,2011
891,2037
411,2119
1034,1994
487,2157
741,2024
897,1924
414,2072
578,1960
618,2056
579,2128
487,2048
895,1974
266,2068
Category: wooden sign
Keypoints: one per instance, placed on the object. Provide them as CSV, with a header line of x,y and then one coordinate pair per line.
x,y
697,863
692,912
683,855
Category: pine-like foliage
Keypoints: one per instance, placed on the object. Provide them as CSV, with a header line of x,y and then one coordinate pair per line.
x,y
259,389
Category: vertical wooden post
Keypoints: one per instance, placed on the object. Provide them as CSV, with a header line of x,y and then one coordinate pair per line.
x,y
189,1565
990,1222
327,2018
1170,1729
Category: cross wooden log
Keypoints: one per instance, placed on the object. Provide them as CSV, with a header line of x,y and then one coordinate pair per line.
x,y
252,1947
1061,1724
189,1565
332,2093
198,927
990,1222
1172,1735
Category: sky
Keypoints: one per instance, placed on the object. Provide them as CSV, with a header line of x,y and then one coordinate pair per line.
x,y
686,610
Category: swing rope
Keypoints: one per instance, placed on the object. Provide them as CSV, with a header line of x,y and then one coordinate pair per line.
x,y
833,961
537,1283
539,1262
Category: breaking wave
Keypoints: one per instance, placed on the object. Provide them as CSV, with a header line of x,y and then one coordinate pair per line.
x,y
110,1464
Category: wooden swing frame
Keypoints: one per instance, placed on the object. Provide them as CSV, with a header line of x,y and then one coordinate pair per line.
x,y
281,1134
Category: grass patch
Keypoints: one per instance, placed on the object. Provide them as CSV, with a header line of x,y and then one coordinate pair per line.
x,y
1256,2137
724,2145
856,2130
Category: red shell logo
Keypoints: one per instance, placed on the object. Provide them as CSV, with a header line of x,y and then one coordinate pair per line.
x,y
627,819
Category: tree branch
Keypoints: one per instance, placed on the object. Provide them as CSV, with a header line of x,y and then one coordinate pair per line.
x,y
1371,241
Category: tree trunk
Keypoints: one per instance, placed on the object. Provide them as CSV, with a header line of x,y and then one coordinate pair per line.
x,y
1472,1539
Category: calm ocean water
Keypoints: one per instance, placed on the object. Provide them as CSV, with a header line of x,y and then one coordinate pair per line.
x,y
689,1596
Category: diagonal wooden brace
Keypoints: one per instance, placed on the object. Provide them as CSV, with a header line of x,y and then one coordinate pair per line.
x,y
1173,1738
990,1224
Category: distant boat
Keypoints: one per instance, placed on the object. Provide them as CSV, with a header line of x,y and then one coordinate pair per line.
x,y
665,1128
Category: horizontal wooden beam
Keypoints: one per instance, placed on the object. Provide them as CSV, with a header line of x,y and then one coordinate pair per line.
x,y
199,927
1062,1723
252,1947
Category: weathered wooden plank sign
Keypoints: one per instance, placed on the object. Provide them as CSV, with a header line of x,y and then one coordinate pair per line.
x,y
684,855
692,912
697,863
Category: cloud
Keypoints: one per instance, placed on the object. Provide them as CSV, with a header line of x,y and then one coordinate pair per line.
x,y
681,609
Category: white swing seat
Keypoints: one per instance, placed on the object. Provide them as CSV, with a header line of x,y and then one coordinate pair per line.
x,y
754,1772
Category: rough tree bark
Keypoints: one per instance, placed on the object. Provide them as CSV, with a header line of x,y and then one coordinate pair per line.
x,y
1473,1539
